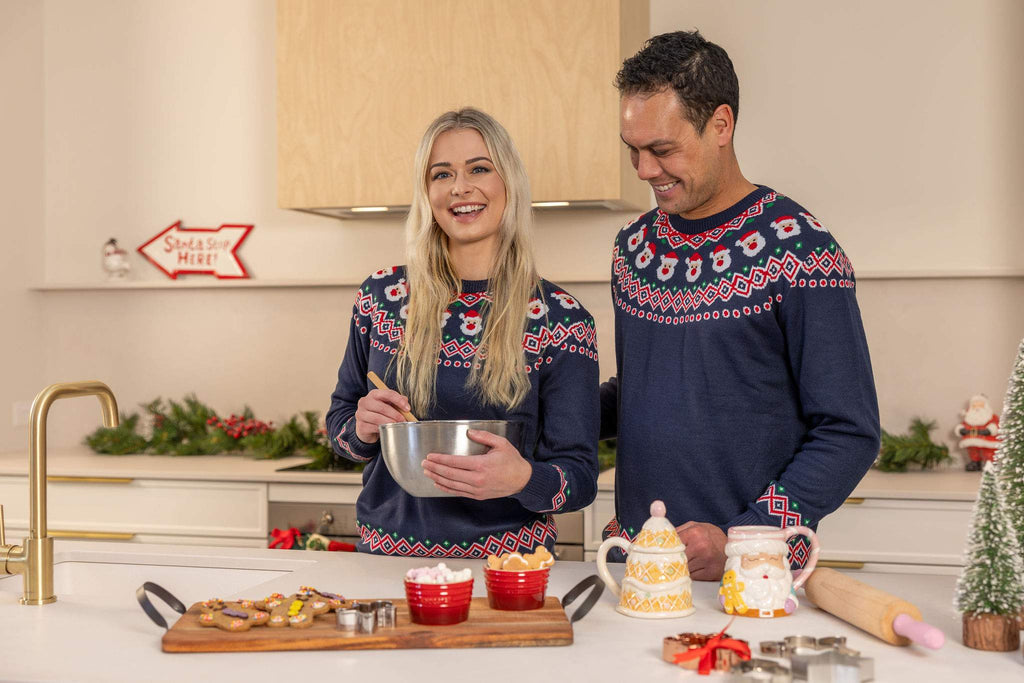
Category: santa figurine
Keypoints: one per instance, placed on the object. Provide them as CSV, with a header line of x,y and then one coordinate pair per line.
x,y
115,260
978,432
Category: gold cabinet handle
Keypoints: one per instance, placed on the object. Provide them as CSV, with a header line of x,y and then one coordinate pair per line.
x,y
96,535
853,501
840,564
92,480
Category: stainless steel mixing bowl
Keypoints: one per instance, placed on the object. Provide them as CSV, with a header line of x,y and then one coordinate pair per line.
x,y
405,445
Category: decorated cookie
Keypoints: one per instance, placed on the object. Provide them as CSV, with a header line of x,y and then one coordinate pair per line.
x,y
298,610
240,615
515,562
332,600
540,558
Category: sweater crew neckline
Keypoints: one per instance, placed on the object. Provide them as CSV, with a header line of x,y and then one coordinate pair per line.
x,y
696,226
474,286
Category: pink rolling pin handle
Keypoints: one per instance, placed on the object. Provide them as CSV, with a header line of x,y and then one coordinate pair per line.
x,y
918,631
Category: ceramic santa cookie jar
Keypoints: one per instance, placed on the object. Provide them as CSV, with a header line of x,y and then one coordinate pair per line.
x,y
757,581
657,584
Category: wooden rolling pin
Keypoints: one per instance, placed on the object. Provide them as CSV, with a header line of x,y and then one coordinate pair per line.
x,y
893,620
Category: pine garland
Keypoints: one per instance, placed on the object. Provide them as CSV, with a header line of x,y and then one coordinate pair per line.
x,y
1010,453
898,451
990,582
193,428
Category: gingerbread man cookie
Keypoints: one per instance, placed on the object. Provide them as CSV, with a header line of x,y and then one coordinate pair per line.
x,y
515,562
299,609
240,615
539,558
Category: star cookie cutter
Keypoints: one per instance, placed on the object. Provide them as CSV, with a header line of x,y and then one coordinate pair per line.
x,y
821,660
792,645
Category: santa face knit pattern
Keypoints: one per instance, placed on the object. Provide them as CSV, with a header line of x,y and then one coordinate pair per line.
x,y
744,392
560,418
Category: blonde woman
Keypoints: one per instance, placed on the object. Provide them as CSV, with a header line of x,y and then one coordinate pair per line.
x,y
467,330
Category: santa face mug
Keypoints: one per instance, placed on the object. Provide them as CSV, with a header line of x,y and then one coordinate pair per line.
x,y
757,581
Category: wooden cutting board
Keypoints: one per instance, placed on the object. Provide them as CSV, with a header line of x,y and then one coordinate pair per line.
x,y
485,627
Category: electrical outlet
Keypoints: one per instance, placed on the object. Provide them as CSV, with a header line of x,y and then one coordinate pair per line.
x,y
20,413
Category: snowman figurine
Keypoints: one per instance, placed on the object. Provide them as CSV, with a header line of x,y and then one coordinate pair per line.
x,y
115,261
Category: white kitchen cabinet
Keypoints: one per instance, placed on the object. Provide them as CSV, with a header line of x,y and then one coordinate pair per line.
x,y
913,522
144,510
595,517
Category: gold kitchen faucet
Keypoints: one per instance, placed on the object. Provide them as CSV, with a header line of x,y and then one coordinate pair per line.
x,y
34,558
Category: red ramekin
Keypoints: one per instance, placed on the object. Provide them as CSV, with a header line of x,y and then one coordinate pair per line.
x,y
438,604
512,590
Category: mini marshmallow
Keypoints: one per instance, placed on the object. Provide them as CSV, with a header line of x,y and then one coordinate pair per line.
x,y
439,574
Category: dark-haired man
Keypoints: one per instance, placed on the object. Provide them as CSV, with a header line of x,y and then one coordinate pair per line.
x,y
744,393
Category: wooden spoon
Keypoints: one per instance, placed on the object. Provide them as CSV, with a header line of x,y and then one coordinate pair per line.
x,y
379,383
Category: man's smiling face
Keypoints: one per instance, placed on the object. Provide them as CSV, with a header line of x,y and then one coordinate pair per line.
x,y
682,166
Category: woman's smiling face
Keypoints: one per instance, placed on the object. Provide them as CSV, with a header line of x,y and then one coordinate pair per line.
x,y
467,196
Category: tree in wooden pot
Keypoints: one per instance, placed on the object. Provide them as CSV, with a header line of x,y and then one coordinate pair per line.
x,y
990,591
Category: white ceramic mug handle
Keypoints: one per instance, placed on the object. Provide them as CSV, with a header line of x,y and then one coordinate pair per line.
x,y
812,558
602,564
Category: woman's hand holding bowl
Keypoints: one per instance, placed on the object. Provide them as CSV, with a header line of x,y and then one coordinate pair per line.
x,y
498,473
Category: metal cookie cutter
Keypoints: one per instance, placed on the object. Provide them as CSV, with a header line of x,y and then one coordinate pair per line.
x,y
348,619
832,667
792,645
367,616
385,613
821,660
758,670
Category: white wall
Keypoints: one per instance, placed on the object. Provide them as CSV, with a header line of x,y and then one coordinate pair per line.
x,y
164,110
896,123
21,208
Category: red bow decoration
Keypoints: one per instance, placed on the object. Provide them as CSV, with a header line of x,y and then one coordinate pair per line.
x,y
338,545
707,652
285,539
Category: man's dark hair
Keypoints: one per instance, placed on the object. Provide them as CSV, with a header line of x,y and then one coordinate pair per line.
x,y
699,71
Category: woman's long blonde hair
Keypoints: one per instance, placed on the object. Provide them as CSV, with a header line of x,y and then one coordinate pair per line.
x,y
499,373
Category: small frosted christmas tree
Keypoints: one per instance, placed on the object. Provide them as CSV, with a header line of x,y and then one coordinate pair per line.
x,y
989,592
1010,454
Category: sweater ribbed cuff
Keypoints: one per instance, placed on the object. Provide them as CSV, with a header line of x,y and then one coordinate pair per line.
x,y
546,491
747,518
354,447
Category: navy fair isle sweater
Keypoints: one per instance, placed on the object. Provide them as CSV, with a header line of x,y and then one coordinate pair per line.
x,y
744,392
560,419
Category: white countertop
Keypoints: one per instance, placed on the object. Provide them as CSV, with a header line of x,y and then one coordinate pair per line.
x,y
82,462
947,484
76,640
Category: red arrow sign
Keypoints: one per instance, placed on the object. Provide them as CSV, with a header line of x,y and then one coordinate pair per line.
x,y
179,250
